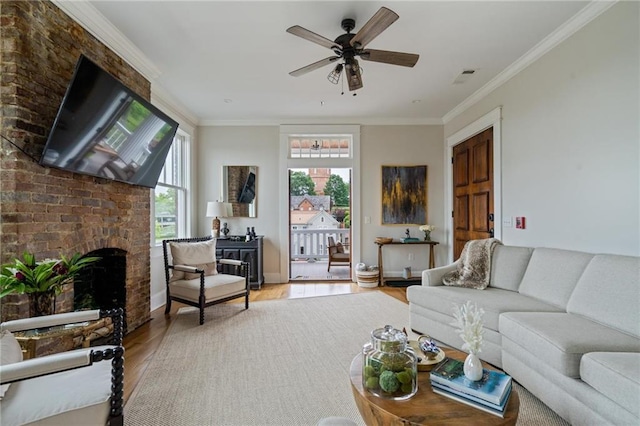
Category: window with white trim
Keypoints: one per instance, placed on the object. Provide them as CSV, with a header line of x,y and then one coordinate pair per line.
x,y
172,192
320,147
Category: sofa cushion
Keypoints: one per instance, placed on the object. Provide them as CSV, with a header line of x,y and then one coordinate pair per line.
x,y
10,352
201,255
552,274
85,401
560,339
494,301
616,375
609,292
508,266
215,287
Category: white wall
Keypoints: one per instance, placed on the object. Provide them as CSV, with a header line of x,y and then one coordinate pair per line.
x,y
380,145
400,146
571,140
243,146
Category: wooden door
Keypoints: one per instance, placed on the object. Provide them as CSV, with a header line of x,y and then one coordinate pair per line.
x,y
472,190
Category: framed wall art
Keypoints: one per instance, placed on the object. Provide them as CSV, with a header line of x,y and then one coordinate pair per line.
x,y
404,195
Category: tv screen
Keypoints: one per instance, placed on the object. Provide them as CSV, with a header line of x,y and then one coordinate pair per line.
x,y
104,129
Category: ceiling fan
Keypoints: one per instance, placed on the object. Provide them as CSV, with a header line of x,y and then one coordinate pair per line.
x,y
348,46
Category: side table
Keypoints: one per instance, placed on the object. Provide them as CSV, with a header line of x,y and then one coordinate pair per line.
x,y
425,407
432,261
45,341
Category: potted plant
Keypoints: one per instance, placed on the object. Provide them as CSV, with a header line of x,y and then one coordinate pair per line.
x,y
42,281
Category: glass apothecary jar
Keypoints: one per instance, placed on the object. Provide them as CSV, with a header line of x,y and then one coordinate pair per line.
x,y
389,367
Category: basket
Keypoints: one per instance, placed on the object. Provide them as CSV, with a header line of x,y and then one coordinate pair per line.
x,y
367,279
383,240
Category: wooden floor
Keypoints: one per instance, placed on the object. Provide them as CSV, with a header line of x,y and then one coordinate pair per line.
x,y
142,343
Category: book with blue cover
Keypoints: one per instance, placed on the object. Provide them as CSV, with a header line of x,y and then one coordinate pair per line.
x,y
409,240
465,399
497,407
492,387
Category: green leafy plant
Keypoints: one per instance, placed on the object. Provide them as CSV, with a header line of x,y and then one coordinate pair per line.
x,y
27,275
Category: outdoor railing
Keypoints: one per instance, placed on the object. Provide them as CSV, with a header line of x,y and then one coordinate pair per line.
x,y
312,243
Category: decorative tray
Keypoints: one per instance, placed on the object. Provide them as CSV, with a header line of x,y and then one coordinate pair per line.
x,y
424,363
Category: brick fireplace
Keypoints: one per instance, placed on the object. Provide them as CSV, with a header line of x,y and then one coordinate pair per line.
x,y
48,211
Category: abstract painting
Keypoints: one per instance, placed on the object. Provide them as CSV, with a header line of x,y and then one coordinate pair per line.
x,y
404,195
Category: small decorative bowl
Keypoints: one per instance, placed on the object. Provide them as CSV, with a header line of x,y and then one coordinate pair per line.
x,y
384,240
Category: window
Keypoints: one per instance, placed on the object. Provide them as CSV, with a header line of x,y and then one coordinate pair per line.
x,y
320,147
171,193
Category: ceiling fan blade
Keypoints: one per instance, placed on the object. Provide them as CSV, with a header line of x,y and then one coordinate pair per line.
x,y
352,73
374,26
311,36
389,57
313,66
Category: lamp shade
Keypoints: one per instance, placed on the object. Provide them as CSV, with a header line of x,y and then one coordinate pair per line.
x,y
216,209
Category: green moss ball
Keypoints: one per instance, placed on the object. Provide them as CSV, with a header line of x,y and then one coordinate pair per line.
x,y
403,377
372,383
389,382
369,371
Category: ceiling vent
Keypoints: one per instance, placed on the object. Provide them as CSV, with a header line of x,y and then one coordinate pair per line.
x,y
464,76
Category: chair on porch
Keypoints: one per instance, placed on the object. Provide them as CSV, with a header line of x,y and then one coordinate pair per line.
x,y
337,253
192,276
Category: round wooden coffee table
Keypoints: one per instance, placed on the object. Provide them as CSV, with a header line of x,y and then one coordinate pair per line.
x,y
425,407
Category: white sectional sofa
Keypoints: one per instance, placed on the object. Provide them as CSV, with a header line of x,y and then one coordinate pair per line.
x,y
564,324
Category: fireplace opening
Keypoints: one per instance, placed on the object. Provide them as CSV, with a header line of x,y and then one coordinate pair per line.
x,y
102,284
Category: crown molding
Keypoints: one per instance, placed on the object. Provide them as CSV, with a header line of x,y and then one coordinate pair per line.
x,y
571,26
384,121
163,99
85,14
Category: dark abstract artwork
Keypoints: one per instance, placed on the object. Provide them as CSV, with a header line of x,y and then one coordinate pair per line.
x,y
404,195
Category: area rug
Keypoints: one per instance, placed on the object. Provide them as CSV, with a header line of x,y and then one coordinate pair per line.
x,y
282,362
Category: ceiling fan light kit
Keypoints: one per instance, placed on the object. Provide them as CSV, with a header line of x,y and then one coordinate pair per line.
x,y
348,46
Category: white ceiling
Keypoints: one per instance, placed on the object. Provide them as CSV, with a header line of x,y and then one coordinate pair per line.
x,y
228,61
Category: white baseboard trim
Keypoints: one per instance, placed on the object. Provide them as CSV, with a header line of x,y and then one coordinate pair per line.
x,y
158,300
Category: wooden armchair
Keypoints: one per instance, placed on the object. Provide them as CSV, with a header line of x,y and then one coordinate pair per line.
x,y
192,276
67,388
337,253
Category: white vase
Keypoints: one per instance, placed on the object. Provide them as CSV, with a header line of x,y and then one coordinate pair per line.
x,y
473,367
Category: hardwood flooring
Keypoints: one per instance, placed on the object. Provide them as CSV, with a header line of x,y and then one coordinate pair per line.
x,y
142,343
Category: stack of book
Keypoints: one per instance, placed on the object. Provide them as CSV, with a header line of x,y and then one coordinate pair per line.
x,y
490,394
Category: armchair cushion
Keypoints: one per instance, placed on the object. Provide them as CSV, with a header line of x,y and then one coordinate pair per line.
x,y
339,248
201,255
10,353
215,287
86,401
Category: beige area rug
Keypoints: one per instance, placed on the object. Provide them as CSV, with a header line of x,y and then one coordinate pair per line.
x,y
282,362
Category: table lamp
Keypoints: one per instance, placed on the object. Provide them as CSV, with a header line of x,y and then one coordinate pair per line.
x,y
216,210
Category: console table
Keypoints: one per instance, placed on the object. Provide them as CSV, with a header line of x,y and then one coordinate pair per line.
x,y
432,262
236,248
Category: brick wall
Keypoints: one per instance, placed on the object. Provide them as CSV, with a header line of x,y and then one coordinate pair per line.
x,y
49,211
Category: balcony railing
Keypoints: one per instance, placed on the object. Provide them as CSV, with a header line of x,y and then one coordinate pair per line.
x,y
312,243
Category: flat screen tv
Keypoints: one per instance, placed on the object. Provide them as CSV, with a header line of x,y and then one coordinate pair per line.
x,y
104,129
248,192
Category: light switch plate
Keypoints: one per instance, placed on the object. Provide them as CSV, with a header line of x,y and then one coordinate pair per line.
x,y
507,222
367,219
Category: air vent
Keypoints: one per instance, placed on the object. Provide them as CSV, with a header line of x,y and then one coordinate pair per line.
x,y
464,76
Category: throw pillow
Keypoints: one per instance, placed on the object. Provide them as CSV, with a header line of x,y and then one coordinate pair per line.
x,y
202,255
10,352
339,248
